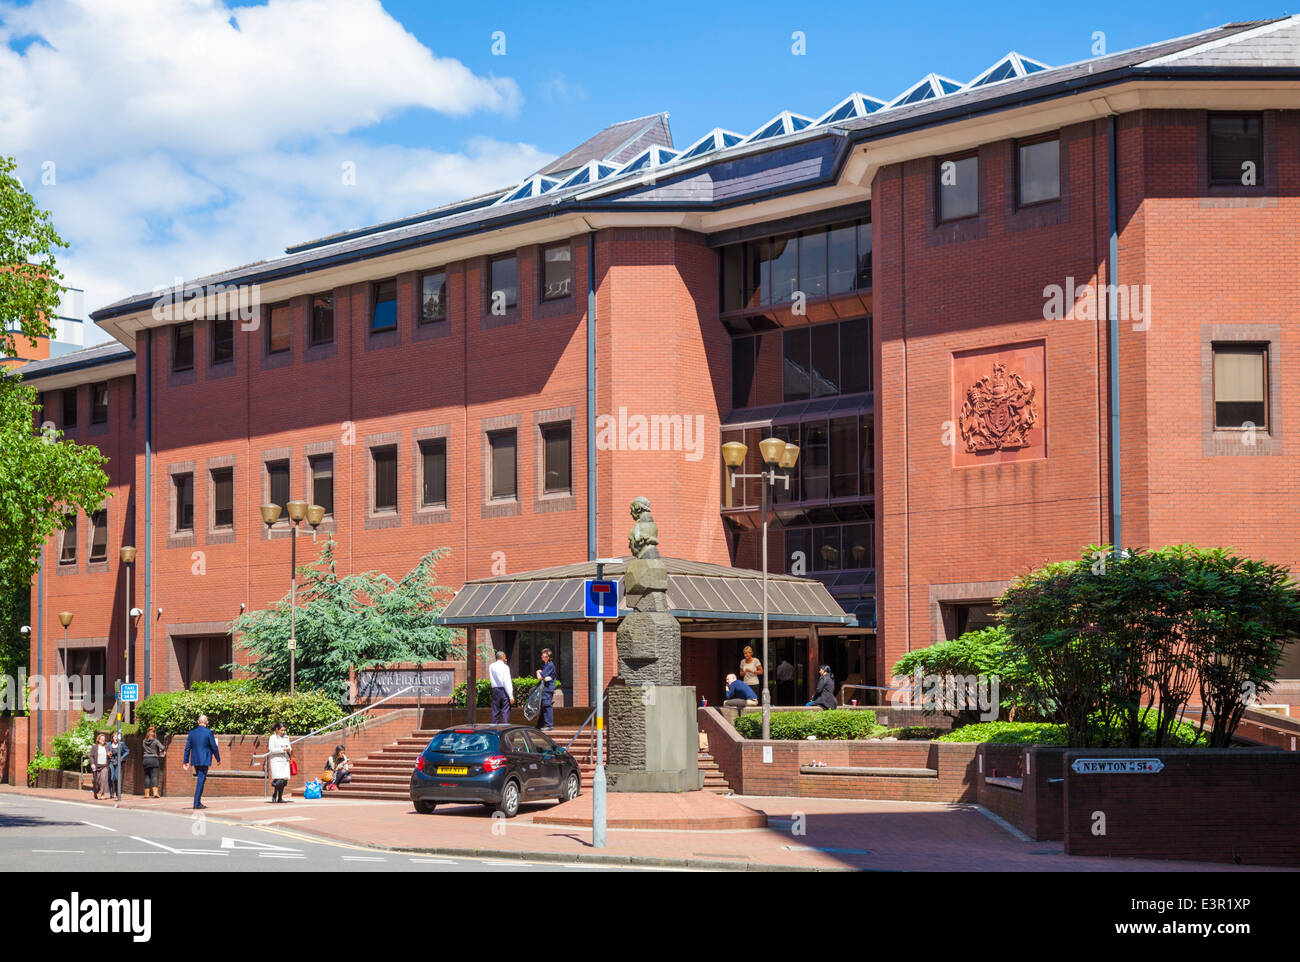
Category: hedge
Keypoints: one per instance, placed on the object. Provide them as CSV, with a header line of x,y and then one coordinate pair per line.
x,y
523,688
839,724
236,708
1182,735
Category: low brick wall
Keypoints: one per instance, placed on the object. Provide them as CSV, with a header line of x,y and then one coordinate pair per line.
x,y
6,735
1224,805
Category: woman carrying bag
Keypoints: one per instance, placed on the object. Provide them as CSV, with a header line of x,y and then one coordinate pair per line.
x,y
99,766
280,760
153,753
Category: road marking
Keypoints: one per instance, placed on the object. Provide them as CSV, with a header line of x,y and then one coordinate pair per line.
x,y
274,821
239,843
58,851
512,864
178,851
361,858
433,861
279,855
151,851
165,848
97,825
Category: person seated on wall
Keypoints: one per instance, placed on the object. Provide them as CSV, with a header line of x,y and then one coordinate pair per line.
x,y
824,695
739,695
338,769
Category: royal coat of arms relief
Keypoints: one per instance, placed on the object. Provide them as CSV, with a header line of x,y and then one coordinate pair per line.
x,y
998,412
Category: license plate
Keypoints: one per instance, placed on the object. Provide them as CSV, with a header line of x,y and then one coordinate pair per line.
x,y
450,770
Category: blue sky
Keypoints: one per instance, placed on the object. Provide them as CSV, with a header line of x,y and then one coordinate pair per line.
x,y
172,138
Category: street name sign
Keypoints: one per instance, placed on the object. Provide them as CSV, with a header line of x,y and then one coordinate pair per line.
x,y
1117,766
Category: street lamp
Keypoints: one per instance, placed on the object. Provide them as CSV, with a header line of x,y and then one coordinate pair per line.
x,y
776,454
127,555
297,511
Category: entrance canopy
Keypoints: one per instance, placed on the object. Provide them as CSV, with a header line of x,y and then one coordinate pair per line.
x,y
698,594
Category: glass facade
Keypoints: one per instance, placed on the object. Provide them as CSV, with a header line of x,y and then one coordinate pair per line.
x,y
818,262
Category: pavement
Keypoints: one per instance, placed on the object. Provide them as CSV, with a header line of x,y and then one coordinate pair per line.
x,y
810,834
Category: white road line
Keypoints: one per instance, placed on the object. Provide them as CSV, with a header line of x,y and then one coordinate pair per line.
x,y
361,858
151,851
278,855
58,851
491,862
97,825
433,861
165,848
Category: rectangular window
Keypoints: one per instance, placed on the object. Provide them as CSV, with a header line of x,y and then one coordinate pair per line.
x,y
69,405
733,277
277,485
322,482
812,263
959,183
385,462
785,270
1038,172
433,473
864,256
183,484
183,347
383,316
433,297
557,271
813,458
844,458
502,445
99,535
795,364
279,328
202,658
1236,149
503,279
867,452
68,550
1240,386
223,497
557,466
842,257
760,270
742,371
223,340
824,374
322,318
855,356
99,403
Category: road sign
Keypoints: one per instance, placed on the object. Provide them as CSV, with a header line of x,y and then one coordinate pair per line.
x,y
130,693
600,598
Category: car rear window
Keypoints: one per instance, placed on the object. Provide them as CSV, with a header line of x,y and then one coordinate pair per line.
x,y
463,743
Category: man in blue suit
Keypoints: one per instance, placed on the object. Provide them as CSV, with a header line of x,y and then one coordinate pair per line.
x,y
203,746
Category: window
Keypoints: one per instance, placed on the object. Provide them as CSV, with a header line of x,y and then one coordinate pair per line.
x,y
784,269
820,262
855,356
433,473
183,519
844,457
795,363
383,316
864,255
812,263
183,347
557,271
1240,386
69,404
557,464
99,403
223,497
502,445
385,461
68,550
279,328
277,484
99,535
743,368
201,659
1236,140
814,460
824,371
959,182
84,661
322,482
223,340
1038,172
433,297
503,278
322,319
842,259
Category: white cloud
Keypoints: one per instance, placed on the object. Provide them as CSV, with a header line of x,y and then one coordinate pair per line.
x,y
190,137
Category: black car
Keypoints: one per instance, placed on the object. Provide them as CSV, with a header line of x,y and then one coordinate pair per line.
x,y
501,766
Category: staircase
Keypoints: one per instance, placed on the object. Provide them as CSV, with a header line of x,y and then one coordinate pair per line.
x,y
387,773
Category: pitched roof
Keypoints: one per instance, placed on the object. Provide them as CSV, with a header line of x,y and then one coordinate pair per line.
x,y
107,353
616,144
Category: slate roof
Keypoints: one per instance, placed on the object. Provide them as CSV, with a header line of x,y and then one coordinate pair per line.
x,y
617,143
106,353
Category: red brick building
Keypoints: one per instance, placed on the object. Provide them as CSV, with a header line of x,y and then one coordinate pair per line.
x,y
914,291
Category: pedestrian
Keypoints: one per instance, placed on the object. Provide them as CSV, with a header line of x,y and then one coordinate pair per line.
x,y
503,690
785,682
751,668
99,767
547,676
117,753
153,753
739,694
202,746
279,751
824,696
339,768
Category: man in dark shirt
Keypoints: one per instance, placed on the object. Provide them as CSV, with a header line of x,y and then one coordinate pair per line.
x,y
739,695
547,676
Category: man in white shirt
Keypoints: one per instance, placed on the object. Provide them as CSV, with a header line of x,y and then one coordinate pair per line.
x,y
503,690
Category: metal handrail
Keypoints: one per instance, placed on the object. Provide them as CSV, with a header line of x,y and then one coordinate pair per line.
x,y
872,688
591,747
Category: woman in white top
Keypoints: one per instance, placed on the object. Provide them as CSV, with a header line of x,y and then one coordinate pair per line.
x,y
99,766
279,750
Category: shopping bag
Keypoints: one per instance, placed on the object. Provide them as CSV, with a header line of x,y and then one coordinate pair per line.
x,y
293,767
311,789
533,707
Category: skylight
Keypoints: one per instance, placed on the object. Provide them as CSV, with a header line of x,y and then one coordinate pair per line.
x,y
588,173
928,87
1008,68
850,108
780,125
715,139
534,186
654,156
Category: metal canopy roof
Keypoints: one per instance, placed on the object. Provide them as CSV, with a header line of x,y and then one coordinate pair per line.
x,y
697,593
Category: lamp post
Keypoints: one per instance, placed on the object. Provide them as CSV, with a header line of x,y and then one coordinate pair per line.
x,y
127,555
776,453
297,511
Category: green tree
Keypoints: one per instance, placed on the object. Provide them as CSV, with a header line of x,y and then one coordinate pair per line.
x,y
356,621
29,279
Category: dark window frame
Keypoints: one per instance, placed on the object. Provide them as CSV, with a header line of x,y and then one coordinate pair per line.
x,y
218,340
177,367
420,319
939,186
1020,204
541,270
64,407
425,447
1263,348
1235,180
375,451
513,434
215,521
543,429
68,539
178,505
271,469
375,302
492,262
313,339
287,307
314,474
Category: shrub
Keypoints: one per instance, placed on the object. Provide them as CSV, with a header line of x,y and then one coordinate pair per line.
x,y
237,708
836,725
40,763
523,688
71,746
1182,735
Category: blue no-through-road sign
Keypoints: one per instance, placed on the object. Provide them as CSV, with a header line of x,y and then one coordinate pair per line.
x,y
600,598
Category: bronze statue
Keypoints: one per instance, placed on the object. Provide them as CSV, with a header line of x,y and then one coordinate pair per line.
x,y
643,539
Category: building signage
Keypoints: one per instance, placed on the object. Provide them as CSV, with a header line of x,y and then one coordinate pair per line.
x,y
373,683
1116,766
130,692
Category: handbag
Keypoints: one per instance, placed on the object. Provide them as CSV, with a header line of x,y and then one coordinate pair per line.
x,y
327,776
293,767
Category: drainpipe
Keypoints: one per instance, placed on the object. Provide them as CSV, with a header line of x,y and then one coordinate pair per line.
x,y
1112,311
593,681
148,503
40,648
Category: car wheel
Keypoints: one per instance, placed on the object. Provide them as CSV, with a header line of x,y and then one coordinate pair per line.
x,y
509,804
572,788
425,807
